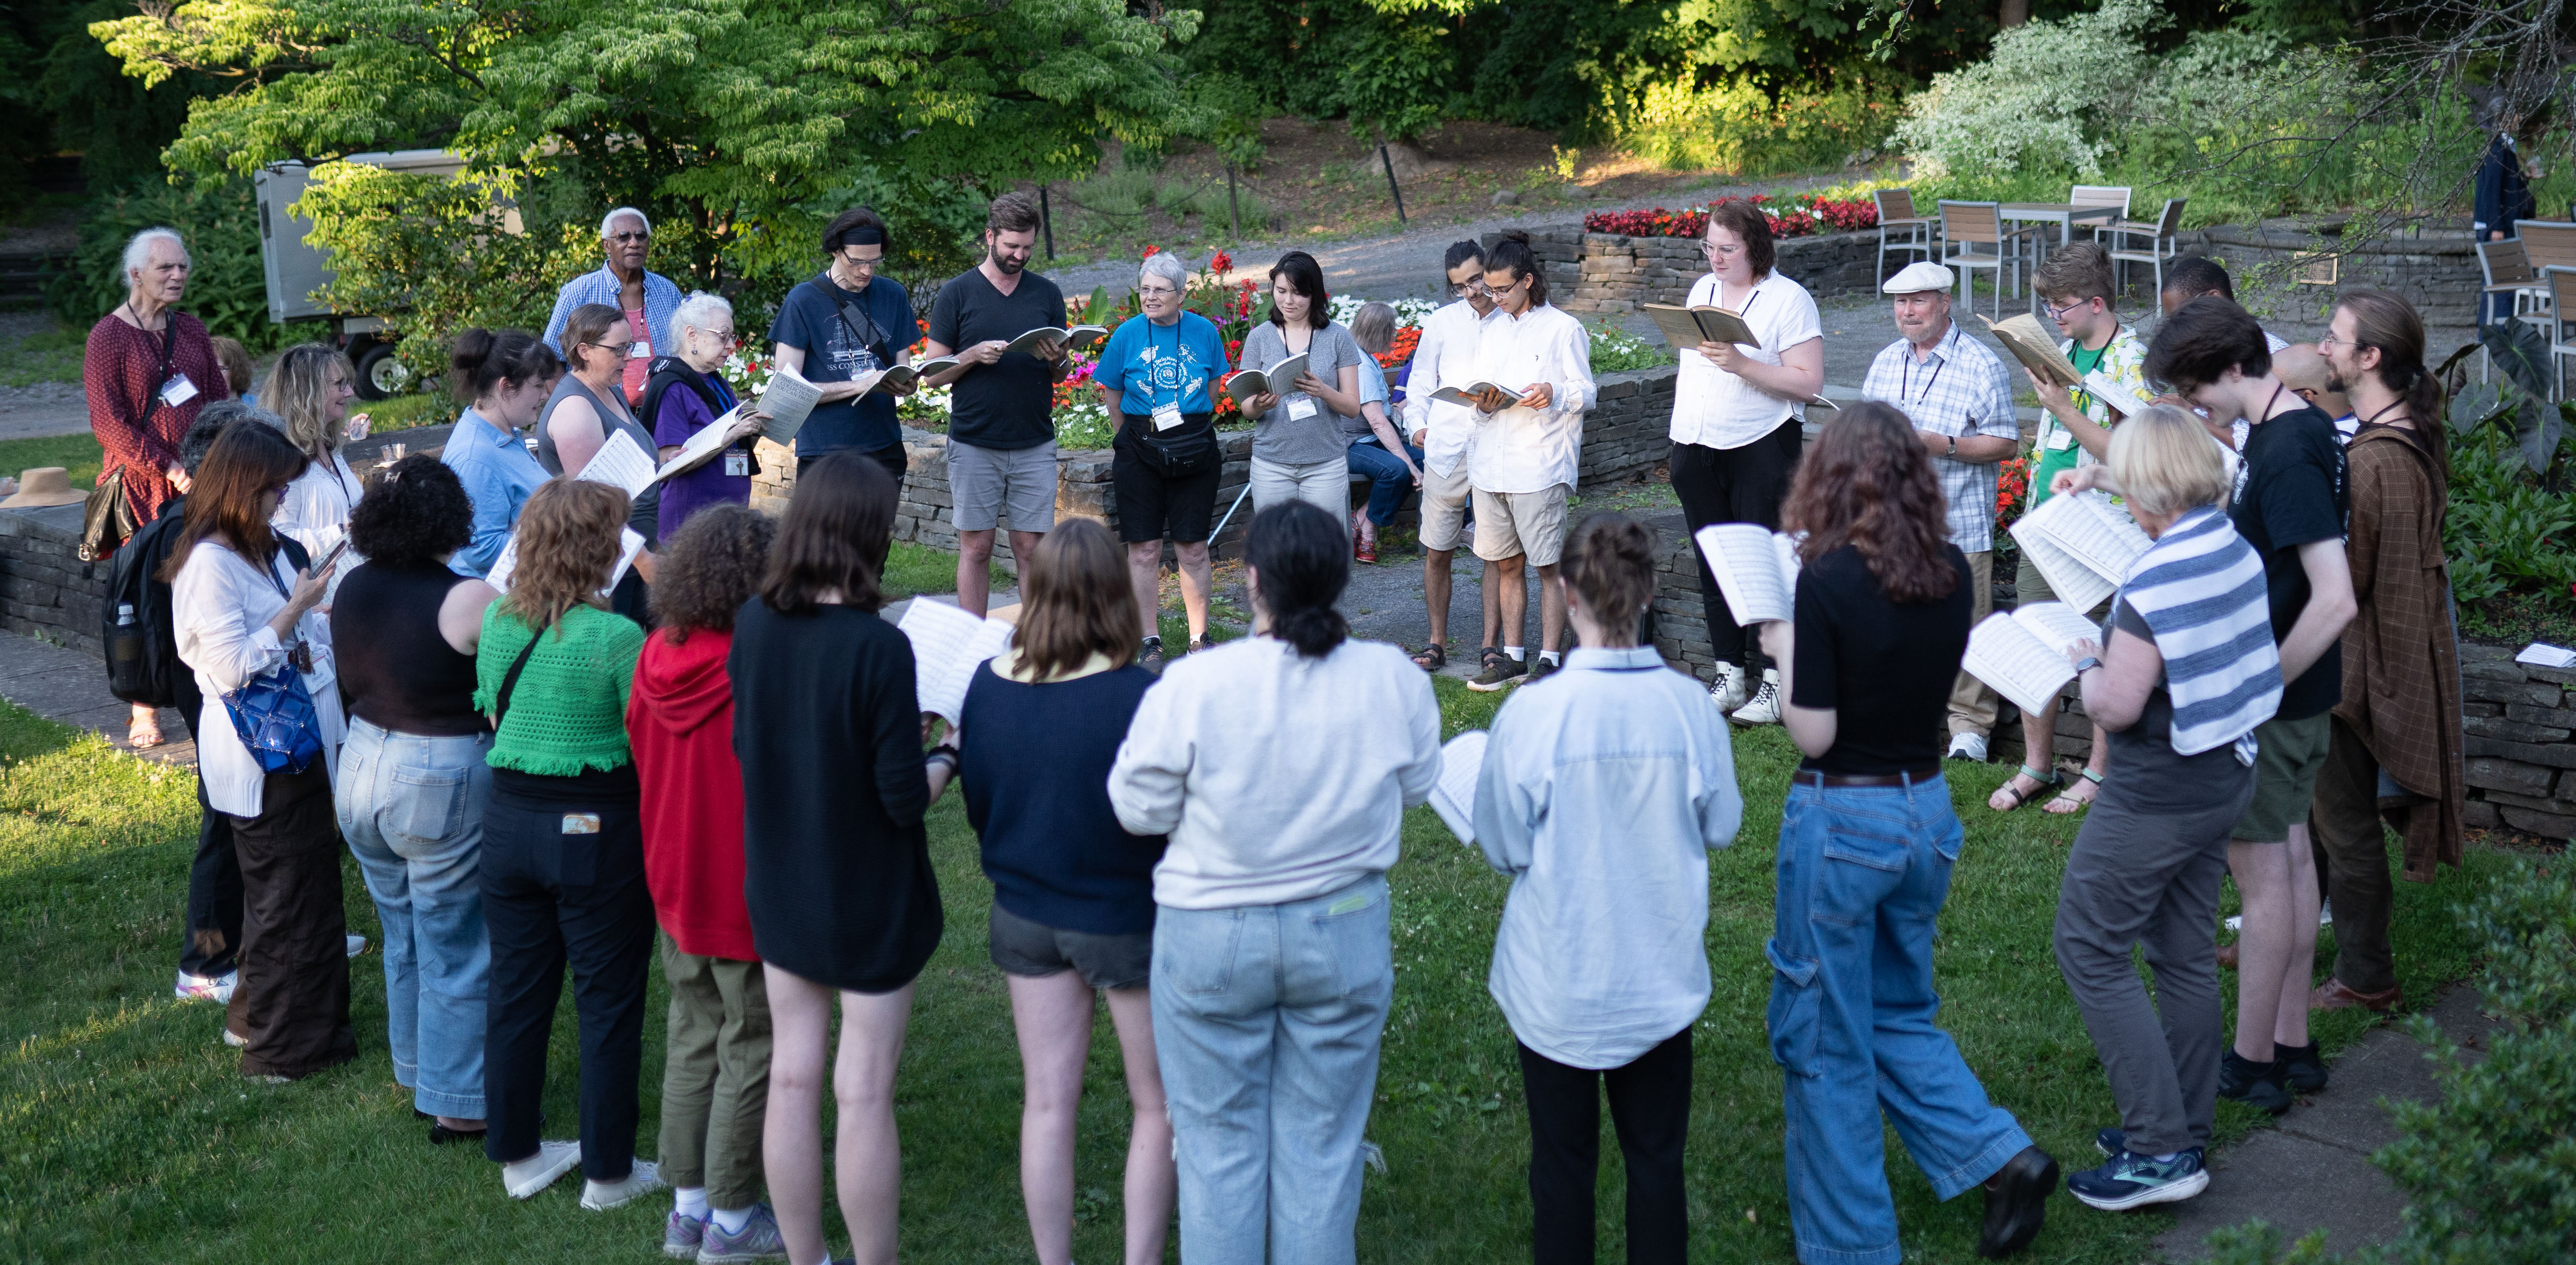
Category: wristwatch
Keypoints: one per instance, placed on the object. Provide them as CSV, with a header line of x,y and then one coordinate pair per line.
x,y
1954,446
2086,664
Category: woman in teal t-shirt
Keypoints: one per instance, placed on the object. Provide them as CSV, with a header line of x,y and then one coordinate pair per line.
x,y
1159,374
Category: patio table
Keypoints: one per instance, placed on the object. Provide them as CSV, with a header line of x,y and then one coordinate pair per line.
x,y
2062,214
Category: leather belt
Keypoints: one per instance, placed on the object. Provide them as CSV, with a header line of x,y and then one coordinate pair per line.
x,y
1819,778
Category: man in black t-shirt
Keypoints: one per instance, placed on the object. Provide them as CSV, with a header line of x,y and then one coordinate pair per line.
x,y
1001,416
841,331
2289,504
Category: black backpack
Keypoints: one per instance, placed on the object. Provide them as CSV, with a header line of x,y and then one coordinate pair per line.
x,y
135,626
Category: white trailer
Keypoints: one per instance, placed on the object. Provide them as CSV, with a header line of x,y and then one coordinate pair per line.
x,y
296,270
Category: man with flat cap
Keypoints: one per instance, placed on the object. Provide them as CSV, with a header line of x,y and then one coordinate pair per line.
x,y
1959,397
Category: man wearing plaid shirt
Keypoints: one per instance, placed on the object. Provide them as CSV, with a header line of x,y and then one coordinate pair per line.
x,y
1960,399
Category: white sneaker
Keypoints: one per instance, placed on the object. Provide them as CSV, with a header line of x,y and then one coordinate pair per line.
x,y
1968,746
1764,709
214,988
641,1180
357,945
236,1040
552,1160
1729,692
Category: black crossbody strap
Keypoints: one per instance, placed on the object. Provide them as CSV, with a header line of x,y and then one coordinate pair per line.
x,y
161,375
510,679
841,305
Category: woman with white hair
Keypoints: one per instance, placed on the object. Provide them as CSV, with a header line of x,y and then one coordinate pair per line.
x,y
1159,375
310,391
148,370
703,328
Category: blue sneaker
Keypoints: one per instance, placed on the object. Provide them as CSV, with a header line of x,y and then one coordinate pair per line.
x,y
2132,1180
758,1241
681,1235
2110,1142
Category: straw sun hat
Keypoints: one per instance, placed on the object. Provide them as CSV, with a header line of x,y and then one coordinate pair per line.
x,y
43,486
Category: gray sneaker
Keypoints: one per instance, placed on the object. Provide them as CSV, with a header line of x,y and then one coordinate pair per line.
x,y
759,1240
1501,672
681,1235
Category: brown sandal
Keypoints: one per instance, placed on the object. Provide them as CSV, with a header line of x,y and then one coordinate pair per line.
x,y
2046,780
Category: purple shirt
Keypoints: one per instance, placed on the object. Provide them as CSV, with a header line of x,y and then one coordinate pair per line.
x,y
679,414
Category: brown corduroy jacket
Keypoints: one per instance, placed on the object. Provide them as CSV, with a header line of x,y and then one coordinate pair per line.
x,y
2401,658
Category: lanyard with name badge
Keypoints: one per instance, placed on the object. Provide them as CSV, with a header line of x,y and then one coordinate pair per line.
x,y
1166,414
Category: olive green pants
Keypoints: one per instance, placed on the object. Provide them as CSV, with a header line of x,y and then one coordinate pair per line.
x,y
715,1079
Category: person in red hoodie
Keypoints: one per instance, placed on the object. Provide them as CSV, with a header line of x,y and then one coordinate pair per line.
x,y
715,1079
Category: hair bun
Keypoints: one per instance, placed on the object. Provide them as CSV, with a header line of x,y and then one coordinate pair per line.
x,y
470,349
1520,235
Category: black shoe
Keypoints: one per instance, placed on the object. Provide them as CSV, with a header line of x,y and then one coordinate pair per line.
x,y
1538,667
2110,1142
1501,672
2253,1084
2303,1067
441,1135
1150,657
2017,1201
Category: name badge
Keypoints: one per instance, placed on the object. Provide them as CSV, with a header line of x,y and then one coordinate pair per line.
x,y
737,465
1166,416
2060,439
640,349
1302,407
178,390
581,823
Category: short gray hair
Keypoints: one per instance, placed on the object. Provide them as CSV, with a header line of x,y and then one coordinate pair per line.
x,y
698,311
1168,266
138,250
609,219
1373,327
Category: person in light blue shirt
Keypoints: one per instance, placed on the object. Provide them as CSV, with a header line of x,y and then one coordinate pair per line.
x,y
1378,451
508,375
622,282
1159,375
1603,790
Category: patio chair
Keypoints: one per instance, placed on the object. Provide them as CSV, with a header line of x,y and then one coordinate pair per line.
x,y
1900,229
2141,242
2101,195
1973,237
2546,243
2562,294
2508,276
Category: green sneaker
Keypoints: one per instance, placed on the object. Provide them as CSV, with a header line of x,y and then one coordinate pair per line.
x,y
1540,667
1501,672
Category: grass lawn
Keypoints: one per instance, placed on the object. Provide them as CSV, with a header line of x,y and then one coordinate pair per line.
x,y
127,1133
79,454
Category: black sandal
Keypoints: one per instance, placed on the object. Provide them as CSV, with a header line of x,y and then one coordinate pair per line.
x,y
1432,658
441,1135
2049,780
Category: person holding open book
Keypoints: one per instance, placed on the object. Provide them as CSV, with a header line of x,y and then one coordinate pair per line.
x,y
1601,795
2184,676
509,375
1298,449
2396,744
685,395
1961,401
586,410
1001,413
1867,844
1073,893
841,330
1445,359
2289,504
1158,376
2076,287
1280,766
1738,424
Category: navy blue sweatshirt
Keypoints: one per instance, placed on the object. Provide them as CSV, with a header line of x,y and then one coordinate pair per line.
x,y
1034,762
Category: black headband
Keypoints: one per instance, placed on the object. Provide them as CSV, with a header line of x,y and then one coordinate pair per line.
x,y
857,235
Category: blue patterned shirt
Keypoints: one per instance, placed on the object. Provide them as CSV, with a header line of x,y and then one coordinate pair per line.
x,y
661,302
1960,389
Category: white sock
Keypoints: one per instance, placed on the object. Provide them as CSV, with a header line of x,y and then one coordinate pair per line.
x,y
1551,656
732,1220
690,1202
1514,652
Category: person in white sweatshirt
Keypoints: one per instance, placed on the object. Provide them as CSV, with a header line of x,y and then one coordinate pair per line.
x,y
1280,767
1603,790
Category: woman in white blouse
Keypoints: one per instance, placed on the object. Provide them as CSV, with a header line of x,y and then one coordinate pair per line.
x,y
311,389
1737,426
241,609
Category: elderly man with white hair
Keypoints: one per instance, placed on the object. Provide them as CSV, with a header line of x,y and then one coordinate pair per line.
x,y
684,395
647,298
1159,376
1959,397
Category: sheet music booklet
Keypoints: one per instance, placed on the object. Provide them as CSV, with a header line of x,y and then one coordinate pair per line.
x,y
1756,568
2023,654
1462,761
2083,544
947,646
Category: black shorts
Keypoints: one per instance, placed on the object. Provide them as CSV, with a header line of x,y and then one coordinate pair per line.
x,y
1151,506
1023,947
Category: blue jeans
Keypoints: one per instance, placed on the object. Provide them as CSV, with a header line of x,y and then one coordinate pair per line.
x,y
1266,1024
1388,481
1863,873
412,810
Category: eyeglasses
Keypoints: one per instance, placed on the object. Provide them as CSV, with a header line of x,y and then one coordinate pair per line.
x,y
1707,247
1464,289
620,348
2059,313
723,337
864,265
1156,292
2330,340
630,236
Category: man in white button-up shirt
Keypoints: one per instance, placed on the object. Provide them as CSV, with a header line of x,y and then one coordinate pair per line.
x,y
1527,453
1452,339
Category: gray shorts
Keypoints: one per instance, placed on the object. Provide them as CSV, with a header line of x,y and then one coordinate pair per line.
x,y
1022,947
984,484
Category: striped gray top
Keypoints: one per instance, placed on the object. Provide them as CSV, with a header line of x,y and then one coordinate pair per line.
x,y
2199,588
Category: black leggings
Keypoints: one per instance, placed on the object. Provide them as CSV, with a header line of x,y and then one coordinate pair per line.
x,y
1734,485
1650,1109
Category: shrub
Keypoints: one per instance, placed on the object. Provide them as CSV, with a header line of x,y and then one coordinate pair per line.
x,y
2041,97
219,220
1736,127
1615,350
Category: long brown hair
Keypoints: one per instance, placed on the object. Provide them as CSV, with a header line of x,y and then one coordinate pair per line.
x,y
248,461
1078,600
1868,483
568,541
2389,323
834,537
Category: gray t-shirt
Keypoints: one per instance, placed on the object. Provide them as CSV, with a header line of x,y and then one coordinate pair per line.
x,y
1282,439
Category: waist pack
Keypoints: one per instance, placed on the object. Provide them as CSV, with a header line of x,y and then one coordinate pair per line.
x,y
1184,451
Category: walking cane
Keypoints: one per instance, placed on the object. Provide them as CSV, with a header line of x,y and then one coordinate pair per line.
x,y
1229,513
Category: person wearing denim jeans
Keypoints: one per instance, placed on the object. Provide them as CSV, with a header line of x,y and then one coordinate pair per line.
x,y
1378,452
1867,843
1280,766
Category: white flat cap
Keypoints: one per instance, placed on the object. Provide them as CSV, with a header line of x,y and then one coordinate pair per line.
x,y
1918,276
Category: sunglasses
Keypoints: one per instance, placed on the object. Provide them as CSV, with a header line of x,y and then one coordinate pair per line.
x,y
630,236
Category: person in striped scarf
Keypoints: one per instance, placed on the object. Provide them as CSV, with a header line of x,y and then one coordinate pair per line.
x,y
2189,671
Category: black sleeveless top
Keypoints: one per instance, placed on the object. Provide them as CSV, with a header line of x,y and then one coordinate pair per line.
x,y
397,672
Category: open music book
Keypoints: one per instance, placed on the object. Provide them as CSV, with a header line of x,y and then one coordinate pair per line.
x,y
2023,654
904,377
1756,568
621,463
1279,379
788,399
1688,327
2083,544
1467,394
2032,345
702,446
1078,338
1453,796
947,646
630,543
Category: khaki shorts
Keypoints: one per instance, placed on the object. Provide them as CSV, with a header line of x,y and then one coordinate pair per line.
x,y
2286,760
1444,508
1514,523
2030,586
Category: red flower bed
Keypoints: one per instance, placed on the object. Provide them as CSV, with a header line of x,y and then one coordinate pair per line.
x,y
1793,217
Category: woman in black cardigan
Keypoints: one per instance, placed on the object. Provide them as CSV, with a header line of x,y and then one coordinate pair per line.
x,y
838,875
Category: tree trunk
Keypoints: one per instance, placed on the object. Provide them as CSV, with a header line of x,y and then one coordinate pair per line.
x,y
2012,13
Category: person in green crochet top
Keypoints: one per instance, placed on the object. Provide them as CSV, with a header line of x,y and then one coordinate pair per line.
x,y
563,852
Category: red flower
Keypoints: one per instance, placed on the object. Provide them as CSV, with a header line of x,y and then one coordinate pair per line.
x,y
1221,263
1151,251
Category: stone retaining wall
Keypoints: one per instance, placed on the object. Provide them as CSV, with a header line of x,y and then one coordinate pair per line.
x,y
42,591
2519,722
1608,272
2437,272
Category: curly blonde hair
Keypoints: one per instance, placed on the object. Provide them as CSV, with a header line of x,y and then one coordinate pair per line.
x,y
568,541
296,389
